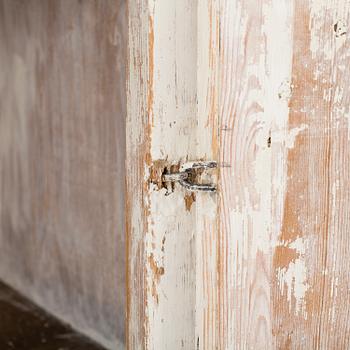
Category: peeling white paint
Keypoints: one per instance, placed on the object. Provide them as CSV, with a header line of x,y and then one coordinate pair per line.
x,y
292,279
253,196
287,138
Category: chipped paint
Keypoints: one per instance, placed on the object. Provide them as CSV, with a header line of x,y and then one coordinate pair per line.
x,y
190,198
292,274
163,93
157,272
267,73
293,281
288,138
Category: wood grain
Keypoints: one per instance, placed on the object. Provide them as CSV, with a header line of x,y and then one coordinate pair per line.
x,y
262,86
62,153
160,131
316,196
244,266
284,223
206,227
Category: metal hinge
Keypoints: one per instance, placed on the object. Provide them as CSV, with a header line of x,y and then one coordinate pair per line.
x,y
188,175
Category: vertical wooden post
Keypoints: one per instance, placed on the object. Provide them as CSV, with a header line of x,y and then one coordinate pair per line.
x,y
161,134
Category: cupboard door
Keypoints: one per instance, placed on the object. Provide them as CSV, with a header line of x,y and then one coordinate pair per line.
x,y
260,88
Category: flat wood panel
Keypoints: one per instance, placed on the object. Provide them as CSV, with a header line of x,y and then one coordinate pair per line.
x,y
244,265
284,106
207,135
62,136
313,312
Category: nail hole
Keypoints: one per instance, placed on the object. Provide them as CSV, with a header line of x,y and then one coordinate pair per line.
x,y
269,142
340,28
285,90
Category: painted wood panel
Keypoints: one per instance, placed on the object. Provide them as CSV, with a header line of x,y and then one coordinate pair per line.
x,y
62,153
255,72
161,130
168,119
315,220
267,267
207,305
283,214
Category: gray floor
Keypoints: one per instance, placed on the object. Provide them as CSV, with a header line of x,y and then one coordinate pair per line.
x,y
23,326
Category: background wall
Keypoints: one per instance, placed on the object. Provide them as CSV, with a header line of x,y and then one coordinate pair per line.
x,y
62,111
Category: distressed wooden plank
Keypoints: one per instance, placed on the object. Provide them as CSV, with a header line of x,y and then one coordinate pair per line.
x,y
311,296
267,81
284,110
255,56
137,148
207,303
161,129
172,86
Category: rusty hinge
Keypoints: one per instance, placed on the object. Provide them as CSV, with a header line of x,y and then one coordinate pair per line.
x,y
188,176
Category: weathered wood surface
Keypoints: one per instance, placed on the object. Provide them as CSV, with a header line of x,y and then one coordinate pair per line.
x,y
283,211
62,152
256,39
161,130
268,267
